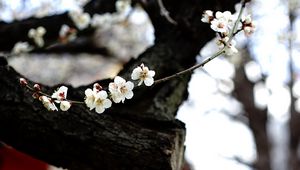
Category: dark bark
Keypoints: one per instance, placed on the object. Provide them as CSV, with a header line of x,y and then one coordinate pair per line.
x,y
142,133
257,118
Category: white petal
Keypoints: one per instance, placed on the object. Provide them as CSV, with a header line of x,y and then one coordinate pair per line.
x,y
129,95
107,103
149,81
116,98
151,73
102,95
119,80
219,14
88,92
129,85
112,87
99,109
136,73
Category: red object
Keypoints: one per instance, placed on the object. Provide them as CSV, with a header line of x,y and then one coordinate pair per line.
x,y
11,159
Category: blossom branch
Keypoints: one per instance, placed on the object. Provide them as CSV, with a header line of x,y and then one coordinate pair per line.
x,y
233,32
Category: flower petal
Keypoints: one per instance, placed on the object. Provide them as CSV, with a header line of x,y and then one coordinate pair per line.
x,y
99,109
129,95
107,103
149,81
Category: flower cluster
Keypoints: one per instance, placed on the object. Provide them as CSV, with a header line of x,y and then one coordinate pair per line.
x,y
248,25
37,35
80,18
223,24
67,34
118,91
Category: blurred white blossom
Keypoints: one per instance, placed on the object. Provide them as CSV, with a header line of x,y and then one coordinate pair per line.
x,y
21,47
37,35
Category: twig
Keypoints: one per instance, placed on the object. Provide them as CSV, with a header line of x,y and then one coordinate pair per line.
x,y
164,12
189,70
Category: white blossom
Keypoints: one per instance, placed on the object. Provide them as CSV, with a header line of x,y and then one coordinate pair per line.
x,y
143,74
248,25
224,15
123,6
90,96
80,19
101,101
67,34
37,35
48,103
223,22
21,47
61,93
65,105
120,89
207,16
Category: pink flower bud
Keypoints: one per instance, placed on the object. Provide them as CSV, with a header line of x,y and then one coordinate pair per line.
x,y
97,86
36,95
23,82
37,87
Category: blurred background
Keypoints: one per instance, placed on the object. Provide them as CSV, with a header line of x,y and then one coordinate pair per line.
x,y
242,112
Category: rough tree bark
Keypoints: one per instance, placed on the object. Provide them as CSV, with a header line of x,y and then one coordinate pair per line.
x,y
140,134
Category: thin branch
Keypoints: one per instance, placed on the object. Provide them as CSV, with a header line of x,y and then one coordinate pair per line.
x,y
164,12
191,69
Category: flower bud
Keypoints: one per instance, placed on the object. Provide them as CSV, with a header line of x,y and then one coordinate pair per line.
x,y
36,95
37,87
23,82
65,105
97,86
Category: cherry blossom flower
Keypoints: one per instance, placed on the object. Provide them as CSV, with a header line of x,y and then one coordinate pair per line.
x,y
90,96
48,103
65,105
248,25
80,19
37,35
60,94
67,34
120,89
143,74
207,16
21,47
223,22
101,101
